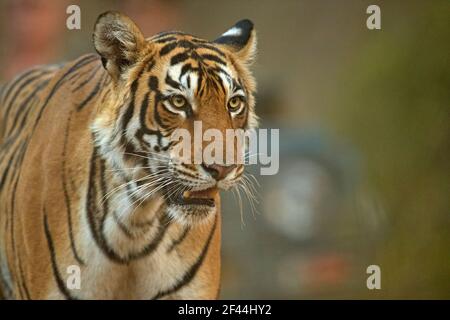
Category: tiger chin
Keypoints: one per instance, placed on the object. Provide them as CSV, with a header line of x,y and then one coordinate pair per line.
x,y
89,180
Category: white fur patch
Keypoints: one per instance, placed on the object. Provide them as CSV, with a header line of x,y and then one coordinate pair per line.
x,y
234,32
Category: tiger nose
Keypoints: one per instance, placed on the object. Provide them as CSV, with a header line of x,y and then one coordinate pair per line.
x,y
218,171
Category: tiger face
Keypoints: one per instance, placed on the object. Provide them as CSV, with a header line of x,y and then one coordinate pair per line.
x,y
169,82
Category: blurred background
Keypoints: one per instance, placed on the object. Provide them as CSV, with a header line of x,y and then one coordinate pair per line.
x,y
364,127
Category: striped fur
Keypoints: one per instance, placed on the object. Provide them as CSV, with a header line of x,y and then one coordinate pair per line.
x,y
86,176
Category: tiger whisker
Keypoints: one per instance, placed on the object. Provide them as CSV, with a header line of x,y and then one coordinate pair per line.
x,y
131,182
249,196
145,157
149,195
235,188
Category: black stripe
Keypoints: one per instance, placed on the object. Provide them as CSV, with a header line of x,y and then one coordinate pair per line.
x,y
78,75
192,271
25,117
172,82
212,57
90,96
9,225
186,44
122,227
11,103
23,106
187,67
12,165
5,173
84,61
236,85
131,194
15,82
220,82
167,39
104,189
180,239
167,33
131,152
13,201
210,47
178,58
91,209
143,113
198,40
13,239
130,109
97,225
23,86
66,194
218,69
213,83
157,116
164,223
89,78
23,282
199,83
189,81
145,145
167,48
153,83
51,247
144,129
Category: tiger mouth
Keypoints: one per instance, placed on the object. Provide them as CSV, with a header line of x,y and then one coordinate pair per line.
x,y
197,197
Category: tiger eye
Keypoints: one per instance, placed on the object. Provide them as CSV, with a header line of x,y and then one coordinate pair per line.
x,y
234,103
178,101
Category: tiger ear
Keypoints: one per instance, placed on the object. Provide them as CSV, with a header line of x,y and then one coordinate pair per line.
x,y
118,41
240,39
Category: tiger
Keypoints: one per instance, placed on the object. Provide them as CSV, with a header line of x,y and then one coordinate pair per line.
x,y
93,204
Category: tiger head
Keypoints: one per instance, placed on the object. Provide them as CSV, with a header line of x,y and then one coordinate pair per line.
x,y
164,83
